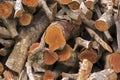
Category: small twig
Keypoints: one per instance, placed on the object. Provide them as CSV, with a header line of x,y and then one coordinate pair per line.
x,y
29,70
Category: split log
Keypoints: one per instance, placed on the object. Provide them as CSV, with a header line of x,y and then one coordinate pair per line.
x,y
4,33
99,40
28,36
85,70
106,74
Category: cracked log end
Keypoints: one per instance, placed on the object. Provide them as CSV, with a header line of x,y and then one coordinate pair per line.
x,y
54,37
89,54
30,3
89,4
101,25
65,54
32,47
50,57
48,75
6,9
114,62
74,5
25,19
65,2
1,68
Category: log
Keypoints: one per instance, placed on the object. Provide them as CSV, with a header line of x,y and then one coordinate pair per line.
x,y
6,43
90,3
6,9
80,41
104,23
11,25
60,31
4,33
25,19
106,74
18,9
67,56
28,36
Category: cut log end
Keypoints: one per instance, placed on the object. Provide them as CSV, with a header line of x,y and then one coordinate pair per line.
x,y
54,37
101,25
74,5
65,54
91,55
48,75
25,19
50,57
30,3
6,9
114,60
89,4
65,2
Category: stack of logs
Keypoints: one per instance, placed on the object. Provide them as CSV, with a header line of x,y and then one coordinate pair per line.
x,y
59,40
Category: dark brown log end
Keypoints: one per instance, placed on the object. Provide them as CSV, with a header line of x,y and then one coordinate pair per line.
x,y
89,54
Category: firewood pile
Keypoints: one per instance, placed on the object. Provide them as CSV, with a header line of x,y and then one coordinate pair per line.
x,y
59,40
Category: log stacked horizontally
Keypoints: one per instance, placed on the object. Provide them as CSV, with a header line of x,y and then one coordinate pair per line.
x,y
59,40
